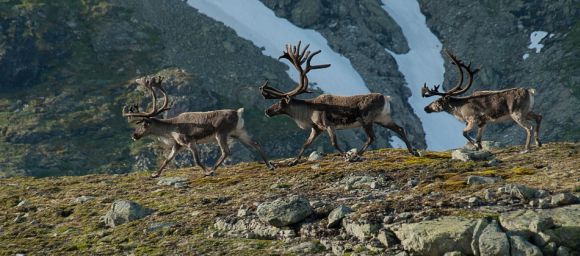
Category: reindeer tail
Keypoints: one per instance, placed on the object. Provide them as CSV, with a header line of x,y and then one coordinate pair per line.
x,y
532,91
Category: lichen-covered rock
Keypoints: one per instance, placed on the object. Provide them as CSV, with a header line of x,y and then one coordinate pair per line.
x,y
336,216
470,155
177,182
566,229
247,228
123,211
315,156
436,237
388,238
521,247
361,229
563,199
475,180
493,241
284,211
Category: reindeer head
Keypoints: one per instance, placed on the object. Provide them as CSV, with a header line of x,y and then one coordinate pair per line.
x,y
145,119
297,58
442,104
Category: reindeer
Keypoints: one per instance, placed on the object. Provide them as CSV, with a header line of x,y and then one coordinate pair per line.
x,y
329,112
188,129
483,107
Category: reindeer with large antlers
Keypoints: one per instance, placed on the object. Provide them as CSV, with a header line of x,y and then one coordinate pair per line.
x,y
188,129
329,112
483,107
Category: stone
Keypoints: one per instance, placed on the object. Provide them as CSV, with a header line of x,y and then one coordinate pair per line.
x,y
352,156
474,201
315,156
242,211
336,216
550,249
361,229
493,241
388,219
521,192
563,251
493,162
321,208
491,145
247,228
388,238
479,227
563,199
158,226
477,180
306,248
488,195
436,237
404,216
284,211
453,253
413,182
544,203
124,211
541,223
565,219
542,193
521,247
82,199
177,182
470,155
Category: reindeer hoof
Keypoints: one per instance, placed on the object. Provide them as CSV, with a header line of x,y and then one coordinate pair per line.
x,y
525,151
212,173
155,175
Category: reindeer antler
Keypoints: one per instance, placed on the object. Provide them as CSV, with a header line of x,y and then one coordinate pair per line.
x,y
150,84
426,92
297,58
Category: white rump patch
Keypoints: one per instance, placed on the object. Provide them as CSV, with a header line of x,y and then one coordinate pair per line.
x,y
240,124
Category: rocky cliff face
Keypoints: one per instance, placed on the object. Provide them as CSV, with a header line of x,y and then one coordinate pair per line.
x,y
495,35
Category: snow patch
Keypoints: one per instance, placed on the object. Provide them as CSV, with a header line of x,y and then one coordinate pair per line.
x,y
423,64
254,21
527,55
535,39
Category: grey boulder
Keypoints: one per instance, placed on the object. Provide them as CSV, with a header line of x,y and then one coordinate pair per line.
x,y
284,211
124,211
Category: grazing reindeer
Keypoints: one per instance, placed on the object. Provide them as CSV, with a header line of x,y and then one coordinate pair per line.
x,y
483,107
329,112
188,129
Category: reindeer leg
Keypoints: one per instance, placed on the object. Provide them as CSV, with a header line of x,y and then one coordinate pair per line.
x,y
225,150
171,155
195,152
313,135
246,139
332,135
480,129
521,121
402,134
368,128
538,118
467,129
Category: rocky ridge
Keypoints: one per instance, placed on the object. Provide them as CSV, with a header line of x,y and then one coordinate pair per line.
x,y
390,203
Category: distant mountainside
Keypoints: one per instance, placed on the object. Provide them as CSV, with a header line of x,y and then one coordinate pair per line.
x,y
66,69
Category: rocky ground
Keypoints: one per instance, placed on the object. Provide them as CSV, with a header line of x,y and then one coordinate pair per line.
x,y
389,203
